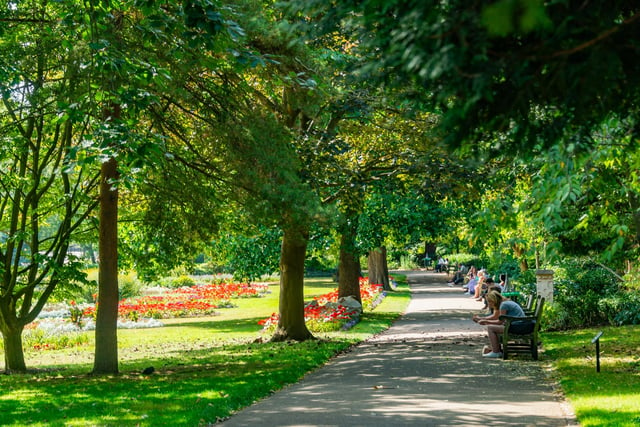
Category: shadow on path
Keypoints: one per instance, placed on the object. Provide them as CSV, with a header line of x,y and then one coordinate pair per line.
x,y
426,370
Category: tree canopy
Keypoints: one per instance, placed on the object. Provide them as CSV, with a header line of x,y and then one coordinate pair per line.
x,y
509,126
526,71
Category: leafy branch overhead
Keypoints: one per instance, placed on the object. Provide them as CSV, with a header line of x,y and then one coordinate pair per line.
x,y
522,68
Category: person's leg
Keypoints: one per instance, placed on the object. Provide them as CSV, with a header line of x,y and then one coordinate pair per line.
x,y
476,291
494,332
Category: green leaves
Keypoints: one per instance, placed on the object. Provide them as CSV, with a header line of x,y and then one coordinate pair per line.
x,y
506,17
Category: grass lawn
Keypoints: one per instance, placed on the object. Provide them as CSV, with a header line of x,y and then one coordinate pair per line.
x,y
205,368
610,397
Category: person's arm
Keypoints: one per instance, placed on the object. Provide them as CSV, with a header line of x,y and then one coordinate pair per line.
x,y
493,319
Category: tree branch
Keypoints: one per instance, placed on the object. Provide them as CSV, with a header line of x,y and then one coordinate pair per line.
x,y
596,40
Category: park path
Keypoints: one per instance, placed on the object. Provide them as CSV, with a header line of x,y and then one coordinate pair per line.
x,y
426,370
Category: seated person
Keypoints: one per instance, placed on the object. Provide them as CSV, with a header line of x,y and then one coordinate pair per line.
x,y
503,282
475,285
491,286
472,277
482,287
501,306
458,278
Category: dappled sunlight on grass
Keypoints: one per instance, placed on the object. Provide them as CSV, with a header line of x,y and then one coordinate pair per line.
x,y
204,368
606,398
193,383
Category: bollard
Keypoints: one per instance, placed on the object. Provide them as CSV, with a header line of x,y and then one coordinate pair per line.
x,y
596,341
544,285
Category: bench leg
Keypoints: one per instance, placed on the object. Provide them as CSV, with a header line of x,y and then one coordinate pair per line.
x,y
505,346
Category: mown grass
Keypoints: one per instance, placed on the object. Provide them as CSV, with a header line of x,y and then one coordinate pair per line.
x,y
610,397
205,369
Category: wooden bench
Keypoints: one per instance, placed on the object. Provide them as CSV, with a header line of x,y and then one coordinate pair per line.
x,y
522,343
530,304
451,269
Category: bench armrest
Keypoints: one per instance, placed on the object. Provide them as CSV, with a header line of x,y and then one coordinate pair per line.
x,y
513,318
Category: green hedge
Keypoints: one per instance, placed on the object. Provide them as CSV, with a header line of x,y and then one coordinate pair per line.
x,y
580,287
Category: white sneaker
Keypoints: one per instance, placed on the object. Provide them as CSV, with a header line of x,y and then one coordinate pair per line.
x,y
493,355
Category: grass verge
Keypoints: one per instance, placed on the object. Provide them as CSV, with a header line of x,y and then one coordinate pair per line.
x,y
610,397
205,369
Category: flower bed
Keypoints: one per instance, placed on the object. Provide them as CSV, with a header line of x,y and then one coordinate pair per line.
x,y
58,325
325,314
197,300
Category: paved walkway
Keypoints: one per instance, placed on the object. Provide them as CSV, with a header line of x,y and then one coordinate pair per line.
x,y
426,370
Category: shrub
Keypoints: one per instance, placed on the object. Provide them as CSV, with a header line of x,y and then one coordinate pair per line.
x,y
87,292
467,259
205,268
407,263
176,282
555,317
38,339
580,285
524,282
509,267
183,281
129,286
525,285
622,308
632,279
316,265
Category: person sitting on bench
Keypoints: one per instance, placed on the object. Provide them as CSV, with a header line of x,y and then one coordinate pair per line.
x,y
501,306
458,278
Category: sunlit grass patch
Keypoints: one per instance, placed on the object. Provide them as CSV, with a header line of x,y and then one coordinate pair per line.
x,y
606,398
205,368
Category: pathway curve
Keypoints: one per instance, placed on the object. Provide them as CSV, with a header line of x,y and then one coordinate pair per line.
x,y
426,370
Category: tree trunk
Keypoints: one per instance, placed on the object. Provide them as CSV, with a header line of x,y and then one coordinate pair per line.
x,y
293,252
13,350
519,253
349,265
430,250
106,349
378,268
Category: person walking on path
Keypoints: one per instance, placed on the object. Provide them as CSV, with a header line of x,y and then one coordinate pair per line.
x,y
426,370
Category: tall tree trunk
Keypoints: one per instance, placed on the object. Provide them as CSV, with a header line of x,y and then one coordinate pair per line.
x,y
349,264
106,349
378,268
13,350
430,250
293,252
430,253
